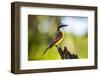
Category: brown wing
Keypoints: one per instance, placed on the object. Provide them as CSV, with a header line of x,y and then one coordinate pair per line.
x,y
54,40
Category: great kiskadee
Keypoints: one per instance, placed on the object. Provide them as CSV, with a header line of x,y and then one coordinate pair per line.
x,y
57,39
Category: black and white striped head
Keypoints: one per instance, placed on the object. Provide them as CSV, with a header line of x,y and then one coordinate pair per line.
x,y
60,26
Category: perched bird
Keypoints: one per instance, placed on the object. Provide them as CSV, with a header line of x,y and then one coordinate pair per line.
x,y
57,39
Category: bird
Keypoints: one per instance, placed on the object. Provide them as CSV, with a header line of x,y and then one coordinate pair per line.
x,y
57,38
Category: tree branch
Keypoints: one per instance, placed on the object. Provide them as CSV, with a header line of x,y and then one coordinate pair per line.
x,y
65,54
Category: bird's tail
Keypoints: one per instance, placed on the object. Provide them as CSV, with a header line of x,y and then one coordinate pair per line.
x,y
45,51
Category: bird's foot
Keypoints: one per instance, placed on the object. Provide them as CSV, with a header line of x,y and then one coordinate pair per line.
x,y
57,46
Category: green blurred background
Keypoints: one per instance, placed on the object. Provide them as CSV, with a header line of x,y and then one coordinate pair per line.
x,y
41,30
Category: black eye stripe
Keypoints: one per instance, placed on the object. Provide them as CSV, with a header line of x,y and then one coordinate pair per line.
x,y
61,26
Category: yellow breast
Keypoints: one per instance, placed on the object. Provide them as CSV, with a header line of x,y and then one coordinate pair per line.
x,y
58,42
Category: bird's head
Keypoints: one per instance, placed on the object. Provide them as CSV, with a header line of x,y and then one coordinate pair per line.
x,y
60,26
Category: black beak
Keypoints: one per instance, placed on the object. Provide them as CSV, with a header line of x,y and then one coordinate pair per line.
x,y
61,25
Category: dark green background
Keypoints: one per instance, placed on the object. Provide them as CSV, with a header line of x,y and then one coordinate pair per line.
x,y
41,30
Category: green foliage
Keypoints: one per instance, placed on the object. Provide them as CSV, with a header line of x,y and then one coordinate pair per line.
x,y
41,30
